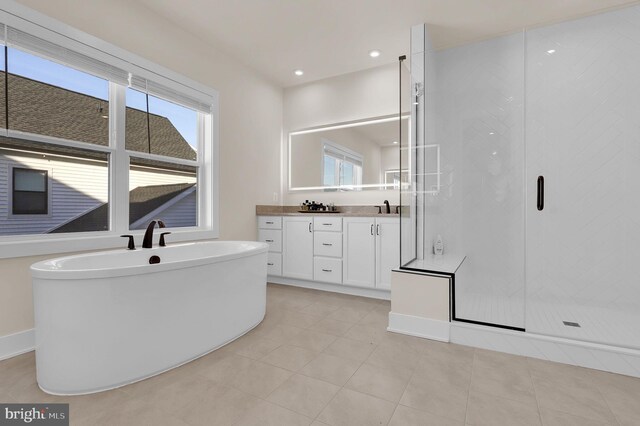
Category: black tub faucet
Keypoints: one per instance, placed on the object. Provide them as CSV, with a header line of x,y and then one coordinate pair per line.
x,y
147,242
386,203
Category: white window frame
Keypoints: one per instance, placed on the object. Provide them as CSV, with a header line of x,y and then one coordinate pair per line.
x,y
39,25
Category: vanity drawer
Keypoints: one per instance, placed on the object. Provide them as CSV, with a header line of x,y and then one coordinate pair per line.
x,y
272,237
274,264
327,244
327,270
270,222
324,223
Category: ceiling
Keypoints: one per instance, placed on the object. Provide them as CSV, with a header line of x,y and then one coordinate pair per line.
x,y
326,38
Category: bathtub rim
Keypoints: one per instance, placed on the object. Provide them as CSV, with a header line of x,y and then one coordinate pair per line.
x,y
43,270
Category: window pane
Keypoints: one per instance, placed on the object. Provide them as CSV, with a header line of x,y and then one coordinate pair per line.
x,y
347,174
77,199
165,191
50,99
137,130
329,171
3,76
29,180
30,202
169,130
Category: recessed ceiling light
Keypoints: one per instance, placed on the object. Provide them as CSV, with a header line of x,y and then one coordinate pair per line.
x,y
374,53
551,51
298,72
395,142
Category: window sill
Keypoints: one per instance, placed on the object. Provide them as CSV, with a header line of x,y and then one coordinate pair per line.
x,y
90,242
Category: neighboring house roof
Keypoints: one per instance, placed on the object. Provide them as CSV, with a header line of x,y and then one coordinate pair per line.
x,y
142,201
75,116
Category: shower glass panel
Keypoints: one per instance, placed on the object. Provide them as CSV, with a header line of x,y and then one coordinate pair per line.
x,y
406,182
480,210
583,133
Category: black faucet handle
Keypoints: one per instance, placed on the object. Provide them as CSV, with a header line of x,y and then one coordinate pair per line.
x,y
162,242
397,209
379,209
132,244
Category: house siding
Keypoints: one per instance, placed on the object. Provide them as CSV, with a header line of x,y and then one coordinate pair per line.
x,y
76,187
147,177
181,214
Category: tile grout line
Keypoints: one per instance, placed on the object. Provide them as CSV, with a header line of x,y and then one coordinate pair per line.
x,y
466,407
304,375
535,392
615,417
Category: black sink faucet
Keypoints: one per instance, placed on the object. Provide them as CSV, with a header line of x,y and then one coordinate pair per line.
x,y
147,242
386,203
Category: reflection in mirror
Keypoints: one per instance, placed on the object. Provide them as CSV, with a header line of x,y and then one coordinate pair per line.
x,y
348,157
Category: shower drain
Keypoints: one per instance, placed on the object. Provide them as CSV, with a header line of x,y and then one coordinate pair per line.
x,y
571,324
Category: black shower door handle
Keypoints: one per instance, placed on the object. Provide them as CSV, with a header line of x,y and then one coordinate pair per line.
x,y
540,200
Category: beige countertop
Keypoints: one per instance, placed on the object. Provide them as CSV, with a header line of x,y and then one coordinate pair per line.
x,y
343,211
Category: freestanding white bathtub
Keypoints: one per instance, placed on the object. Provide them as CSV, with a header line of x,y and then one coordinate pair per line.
x,y
107,319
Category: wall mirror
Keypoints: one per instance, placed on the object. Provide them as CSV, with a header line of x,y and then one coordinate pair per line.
x,y
349,157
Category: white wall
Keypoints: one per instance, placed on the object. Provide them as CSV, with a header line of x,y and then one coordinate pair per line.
x,y
357,96
250,122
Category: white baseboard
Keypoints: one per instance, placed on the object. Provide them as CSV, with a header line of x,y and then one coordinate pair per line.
x,y
584,354
17,343
335,288
419,327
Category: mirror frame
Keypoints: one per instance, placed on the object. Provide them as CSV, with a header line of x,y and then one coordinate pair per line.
x,y
379,186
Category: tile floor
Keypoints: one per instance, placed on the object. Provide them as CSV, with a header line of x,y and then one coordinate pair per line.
x,y
325,359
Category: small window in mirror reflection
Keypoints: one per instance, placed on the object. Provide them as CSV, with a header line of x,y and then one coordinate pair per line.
x,y
396,178
341,167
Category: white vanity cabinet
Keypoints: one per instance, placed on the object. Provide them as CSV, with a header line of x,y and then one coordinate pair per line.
x,y
322,248
270,232
371,250
297,249
327,249
359,251
387,250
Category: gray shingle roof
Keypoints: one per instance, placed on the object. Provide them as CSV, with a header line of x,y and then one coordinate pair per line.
x,y
44,109
142,201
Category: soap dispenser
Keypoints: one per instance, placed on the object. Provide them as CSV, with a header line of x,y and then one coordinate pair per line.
x,y
438,246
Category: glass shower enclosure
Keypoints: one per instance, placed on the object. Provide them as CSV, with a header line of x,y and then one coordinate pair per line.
x,y
523,164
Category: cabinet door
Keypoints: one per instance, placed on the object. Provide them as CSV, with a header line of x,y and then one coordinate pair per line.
x,y
359,251
387,250
297,250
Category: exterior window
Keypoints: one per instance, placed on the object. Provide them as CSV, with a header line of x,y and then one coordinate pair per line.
x,y
71,115
30,191
50,99
3,76
51,109
162,189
